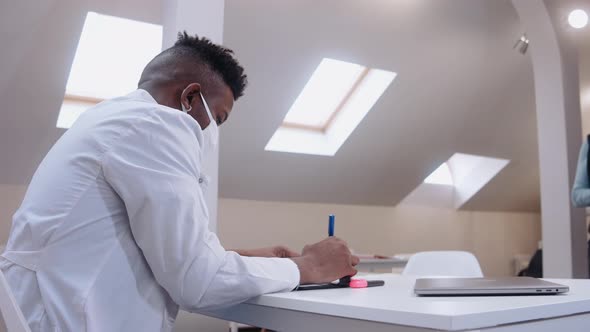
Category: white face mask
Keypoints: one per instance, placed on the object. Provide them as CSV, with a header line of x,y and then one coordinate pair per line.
x,y
211,133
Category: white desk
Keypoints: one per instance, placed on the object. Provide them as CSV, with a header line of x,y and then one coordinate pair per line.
x,y
373,264
394,307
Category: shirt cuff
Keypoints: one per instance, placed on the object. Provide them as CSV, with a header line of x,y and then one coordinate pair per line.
x,y
294,273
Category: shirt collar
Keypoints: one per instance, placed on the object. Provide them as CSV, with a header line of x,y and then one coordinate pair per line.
x,y
141,94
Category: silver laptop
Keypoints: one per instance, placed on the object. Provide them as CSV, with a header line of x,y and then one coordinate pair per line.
x,y
487,286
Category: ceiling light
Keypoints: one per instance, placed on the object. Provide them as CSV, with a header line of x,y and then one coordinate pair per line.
x,y
522,44
578,18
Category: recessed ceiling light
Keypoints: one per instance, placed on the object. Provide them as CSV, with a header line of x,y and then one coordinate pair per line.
x,y
111,54
331,105
578,18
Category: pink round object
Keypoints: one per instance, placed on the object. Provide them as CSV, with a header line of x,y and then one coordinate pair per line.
x,y
358,283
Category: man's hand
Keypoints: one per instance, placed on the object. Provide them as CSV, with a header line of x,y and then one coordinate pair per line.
x,y
276,251
325,261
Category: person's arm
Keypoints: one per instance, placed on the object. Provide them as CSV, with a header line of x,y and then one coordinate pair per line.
x,y
581,187
155,168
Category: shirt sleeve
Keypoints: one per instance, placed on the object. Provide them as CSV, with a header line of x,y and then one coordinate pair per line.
x,y
155,170
581,188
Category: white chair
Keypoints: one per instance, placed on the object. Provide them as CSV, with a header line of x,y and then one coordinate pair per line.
x,y
11,313
443,264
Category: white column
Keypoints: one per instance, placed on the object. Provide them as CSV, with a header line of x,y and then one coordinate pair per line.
x,y
205,18
555,67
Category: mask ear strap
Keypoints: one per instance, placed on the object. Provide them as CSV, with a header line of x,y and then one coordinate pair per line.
x,y
184,109
209,114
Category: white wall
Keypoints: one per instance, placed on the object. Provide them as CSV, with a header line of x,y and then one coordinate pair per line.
x,y
494,237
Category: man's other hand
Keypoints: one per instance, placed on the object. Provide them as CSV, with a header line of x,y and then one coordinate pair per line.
x,y
276,251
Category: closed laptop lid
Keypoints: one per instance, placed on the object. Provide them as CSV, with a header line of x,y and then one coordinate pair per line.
x,y
486,286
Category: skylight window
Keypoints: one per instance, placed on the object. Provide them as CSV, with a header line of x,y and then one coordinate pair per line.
x,y
111,54
456,181
322,95
331,105
442,175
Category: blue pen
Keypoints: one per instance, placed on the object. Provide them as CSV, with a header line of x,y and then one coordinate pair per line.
x,y
344,281
331,225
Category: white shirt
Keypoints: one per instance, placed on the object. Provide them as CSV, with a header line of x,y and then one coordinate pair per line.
x,y
113,235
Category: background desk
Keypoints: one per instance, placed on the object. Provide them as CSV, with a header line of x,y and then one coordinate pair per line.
x,y
381,264
394,307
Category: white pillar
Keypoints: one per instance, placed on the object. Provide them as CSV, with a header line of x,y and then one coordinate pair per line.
x,y
555,67
205,18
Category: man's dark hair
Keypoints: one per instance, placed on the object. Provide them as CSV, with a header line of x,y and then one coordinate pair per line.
x,y
219,59
192,58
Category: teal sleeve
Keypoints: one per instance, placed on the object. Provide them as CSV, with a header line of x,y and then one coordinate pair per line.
x,y
581,188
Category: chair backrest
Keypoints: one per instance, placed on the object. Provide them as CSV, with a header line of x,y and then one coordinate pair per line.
x,y
11,313
443,264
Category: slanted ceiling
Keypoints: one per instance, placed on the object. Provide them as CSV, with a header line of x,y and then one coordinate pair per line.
x,y
460,88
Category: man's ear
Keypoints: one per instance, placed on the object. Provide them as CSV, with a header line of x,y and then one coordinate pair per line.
x,y
190,92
